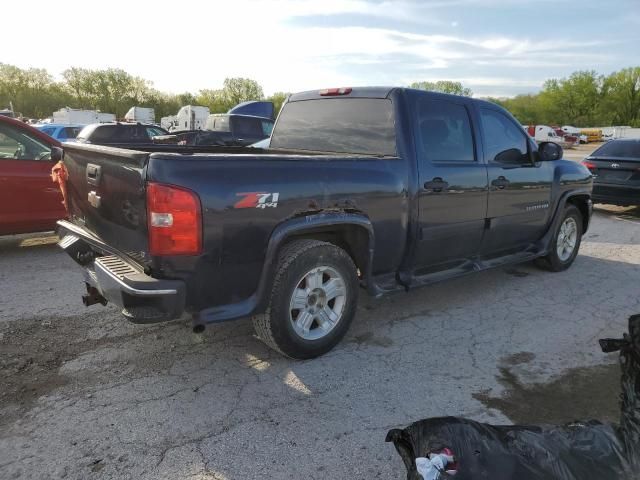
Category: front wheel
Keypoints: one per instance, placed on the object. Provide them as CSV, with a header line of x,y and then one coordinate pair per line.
x,y
313,300
566,242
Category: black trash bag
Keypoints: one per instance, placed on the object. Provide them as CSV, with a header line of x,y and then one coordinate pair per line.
x,y
576,451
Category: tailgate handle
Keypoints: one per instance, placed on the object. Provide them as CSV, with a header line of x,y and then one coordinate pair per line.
x,y
93,174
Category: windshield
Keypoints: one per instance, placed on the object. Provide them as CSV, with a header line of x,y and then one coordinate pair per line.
x,y
619,149
338,125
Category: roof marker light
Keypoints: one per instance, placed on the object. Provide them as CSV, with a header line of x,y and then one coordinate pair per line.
x,y
330,92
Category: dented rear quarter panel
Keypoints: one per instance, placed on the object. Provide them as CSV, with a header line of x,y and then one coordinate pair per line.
x,y
236,236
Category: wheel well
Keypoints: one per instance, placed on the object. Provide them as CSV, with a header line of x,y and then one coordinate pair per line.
x,y
353,239
582,203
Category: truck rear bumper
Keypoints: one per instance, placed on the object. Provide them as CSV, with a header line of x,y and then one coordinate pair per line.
x,y
142,298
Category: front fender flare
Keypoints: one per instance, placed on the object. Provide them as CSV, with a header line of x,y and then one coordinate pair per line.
x,y
546,240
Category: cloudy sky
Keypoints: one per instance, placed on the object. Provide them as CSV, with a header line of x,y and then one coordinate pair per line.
x,y
495,47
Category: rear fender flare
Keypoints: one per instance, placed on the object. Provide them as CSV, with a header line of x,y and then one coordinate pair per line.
x,y
306,226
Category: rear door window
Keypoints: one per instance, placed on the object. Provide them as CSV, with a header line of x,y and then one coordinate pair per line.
x,y
337,125
444,131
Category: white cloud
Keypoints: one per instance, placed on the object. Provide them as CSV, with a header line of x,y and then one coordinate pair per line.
x,y
194,45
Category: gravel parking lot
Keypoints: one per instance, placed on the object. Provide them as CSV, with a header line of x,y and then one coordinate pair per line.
x,y
84,394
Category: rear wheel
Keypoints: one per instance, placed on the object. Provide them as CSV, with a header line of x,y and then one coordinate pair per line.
x,y
313,300
566,242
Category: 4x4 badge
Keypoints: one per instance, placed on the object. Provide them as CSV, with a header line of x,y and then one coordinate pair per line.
x,y
257,200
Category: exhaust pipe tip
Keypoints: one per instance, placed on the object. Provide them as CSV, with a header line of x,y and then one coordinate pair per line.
x,y
198,328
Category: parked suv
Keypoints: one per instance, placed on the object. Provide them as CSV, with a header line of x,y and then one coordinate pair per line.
x,y
62,133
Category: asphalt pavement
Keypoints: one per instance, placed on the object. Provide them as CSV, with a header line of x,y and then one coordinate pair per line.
x,y
84,394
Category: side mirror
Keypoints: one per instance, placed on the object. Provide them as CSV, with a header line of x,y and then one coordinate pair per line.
x,y
549,151
56,154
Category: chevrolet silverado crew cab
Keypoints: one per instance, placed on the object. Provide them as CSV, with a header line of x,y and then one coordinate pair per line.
x,y
381,188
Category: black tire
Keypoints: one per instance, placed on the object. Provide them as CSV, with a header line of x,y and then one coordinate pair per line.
x,y
275,326
552,261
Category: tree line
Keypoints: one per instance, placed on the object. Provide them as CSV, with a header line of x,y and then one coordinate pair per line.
x,y
585,98
34,93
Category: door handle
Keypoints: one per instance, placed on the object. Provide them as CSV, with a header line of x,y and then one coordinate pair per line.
x,y
436,185
500,182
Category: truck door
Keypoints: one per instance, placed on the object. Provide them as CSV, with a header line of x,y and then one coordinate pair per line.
x,y
452,181
519,188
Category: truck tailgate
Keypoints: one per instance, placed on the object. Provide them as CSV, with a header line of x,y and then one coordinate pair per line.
x,y
106,195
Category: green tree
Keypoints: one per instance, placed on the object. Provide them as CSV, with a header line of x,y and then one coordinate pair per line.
x,y
32,92
213,99
79,83
526,108
186,98
277,99
443,86
573,100
238,90
621,97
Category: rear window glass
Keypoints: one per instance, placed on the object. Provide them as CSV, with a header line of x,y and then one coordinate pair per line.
x,y
621,149
116,133
218,123
248,126
267,127
70,132
103,133
339,125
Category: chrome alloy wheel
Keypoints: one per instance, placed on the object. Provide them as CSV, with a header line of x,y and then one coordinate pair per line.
x,y
567,238
317,303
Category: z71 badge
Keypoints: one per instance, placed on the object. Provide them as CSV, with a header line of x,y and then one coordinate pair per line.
x,y
257,200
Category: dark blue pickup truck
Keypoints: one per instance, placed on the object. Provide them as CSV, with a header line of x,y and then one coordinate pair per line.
x,y
381,188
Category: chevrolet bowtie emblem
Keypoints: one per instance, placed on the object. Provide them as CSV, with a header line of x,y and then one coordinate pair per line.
x,y
94,199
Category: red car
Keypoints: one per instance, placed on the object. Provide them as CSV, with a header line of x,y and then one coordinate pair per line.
x,y
29,199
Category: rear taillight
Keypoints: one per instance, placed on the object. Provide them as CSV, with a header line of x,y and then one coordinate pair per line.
x,y
590,165
175,220
329,92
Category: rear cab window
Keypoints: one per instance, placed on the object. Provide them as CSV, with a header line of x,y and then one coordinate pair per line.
x,y
619,149
337,125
